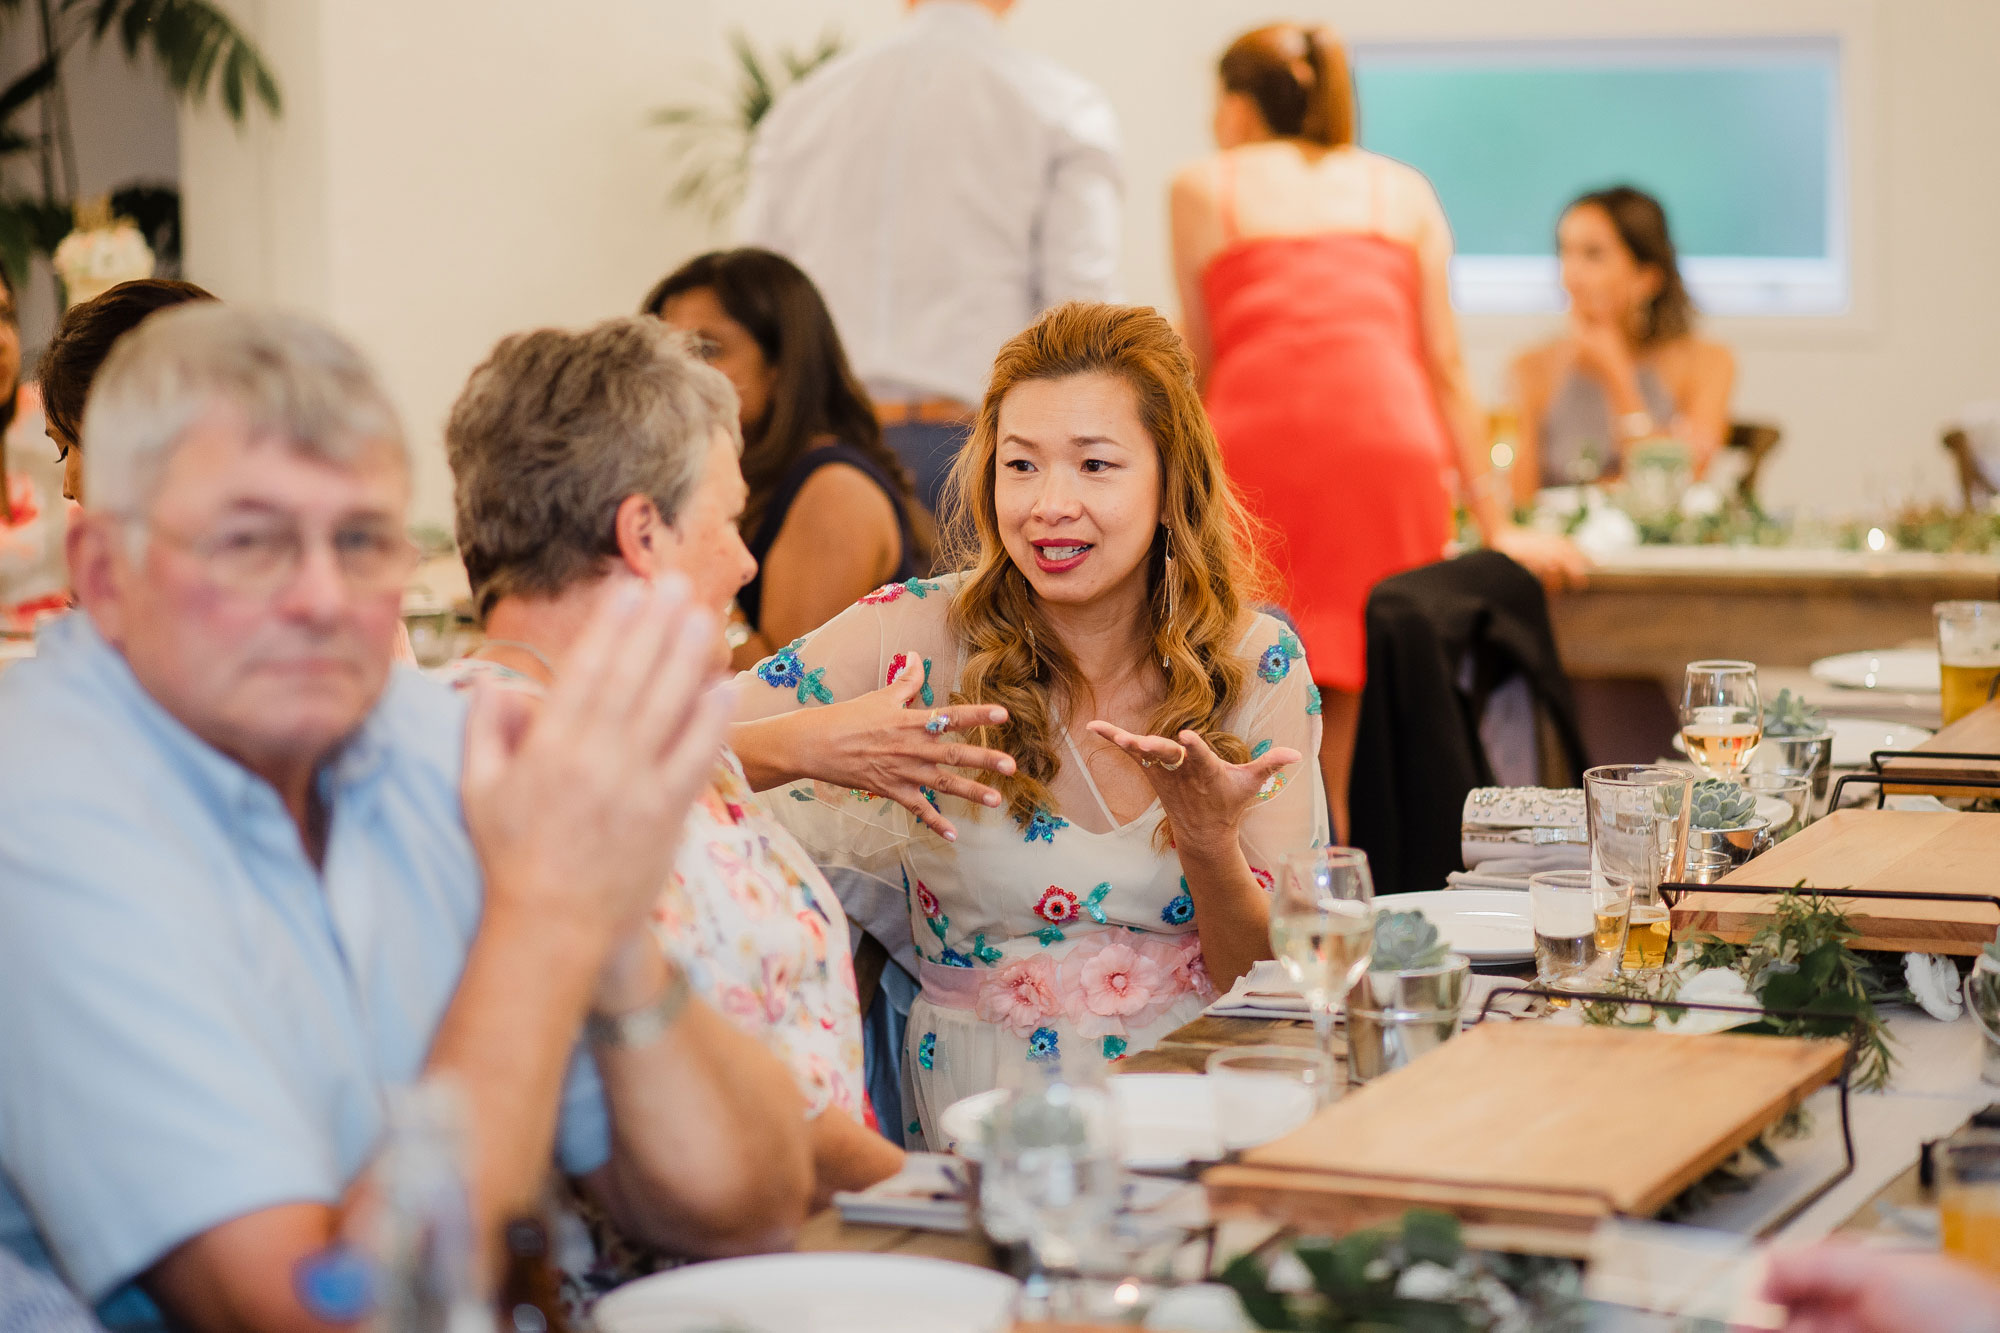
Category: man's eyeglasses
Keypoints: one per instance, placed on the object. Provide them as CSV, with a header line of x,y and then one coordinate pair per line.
x,y
258,560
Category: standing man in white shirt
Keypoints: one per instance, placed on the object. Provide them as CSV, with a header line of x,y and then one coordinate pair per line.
x,y
942,187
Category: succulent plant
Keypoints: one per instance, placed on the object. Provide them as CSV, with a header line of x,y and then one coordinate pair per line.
x,y
1718,805
1790,715
1405,941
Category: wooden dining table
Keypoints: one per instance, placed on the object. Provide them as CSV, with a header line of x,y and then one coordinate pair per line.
x,y
1649,611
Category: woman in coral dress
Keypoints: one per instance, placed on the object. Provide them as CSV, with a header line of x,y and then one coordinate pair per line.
x,y
1314,287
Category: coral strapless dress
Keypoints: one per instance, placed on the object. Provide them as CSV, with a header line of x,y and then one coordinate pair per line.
x,y
1329,425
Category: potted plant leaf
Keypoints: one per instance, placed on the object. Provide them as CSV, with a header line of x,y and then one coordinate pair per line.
x,y
1723,817
1408,1002
1797,743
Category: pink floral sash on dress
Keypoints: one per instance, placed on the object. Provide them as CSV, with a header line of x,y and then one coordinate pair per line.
x,y
1107,984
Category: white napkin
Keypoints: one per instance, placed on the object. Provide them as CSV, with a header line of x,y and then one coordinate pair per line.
x,y
1511,872
1264,992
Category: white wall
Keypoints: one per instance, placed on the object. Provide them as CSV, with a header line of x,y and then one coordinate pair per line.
x,y
449,172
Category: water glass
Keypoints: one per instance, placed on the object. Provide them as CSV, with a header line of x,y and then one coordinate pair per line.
x,y
1722,716
1706,867
1774,790
1581,918
1323,926
1968,635
1265,1092
1638,823
1050,1171
1968,1194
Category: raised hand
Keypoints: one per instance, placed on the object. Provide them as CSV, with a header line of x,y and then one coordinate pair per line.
x,y
884,743
575,802
1204,795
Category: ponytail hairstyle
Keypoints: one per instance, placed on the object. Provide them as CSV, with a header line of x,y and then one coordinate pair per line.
x,y
1299,80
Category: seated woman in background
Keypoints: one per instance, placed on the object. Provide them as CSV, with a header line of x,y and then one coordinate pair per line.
x,y
77,353
591,462
831,511
1630,368
1100,627
34,575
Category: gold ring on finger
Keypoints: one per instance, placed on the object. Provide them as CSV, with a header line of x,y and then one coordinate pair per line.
x,y
1176,764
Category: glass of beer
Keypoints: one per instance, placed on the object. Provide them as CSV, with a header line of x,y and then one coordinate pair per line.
x,y
1969,1197
1580,923
1722,717
1968,636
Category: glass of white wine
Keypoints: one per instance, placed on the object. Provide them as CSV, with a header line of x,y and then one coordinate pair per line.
x,y
1323,926
1722,717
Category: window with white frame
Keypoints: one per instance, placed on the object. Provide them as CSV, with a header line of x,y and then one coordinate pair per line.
x,y
1740,139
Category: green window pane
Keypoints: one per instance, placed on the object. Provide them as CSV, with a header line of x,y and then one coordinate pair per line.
x,y
1740,150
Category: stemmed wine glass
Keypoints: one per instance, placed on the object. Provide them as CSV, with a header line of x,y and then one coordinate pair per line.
x,y
1722,717
1323,926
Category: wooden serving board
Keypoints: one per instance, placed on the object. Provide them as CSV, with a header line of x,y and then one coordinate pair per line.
x,y
1529,1125
1978,732
1898,850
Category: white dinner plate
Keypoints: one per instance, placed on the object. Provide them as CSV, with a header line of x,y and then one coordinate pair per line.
x,y
1486,925
814,1293
1855,738
1896,670
1165,1121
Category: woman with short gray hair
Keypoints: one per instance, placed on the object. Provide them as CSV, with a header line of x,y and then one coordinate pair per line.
x,y
595,462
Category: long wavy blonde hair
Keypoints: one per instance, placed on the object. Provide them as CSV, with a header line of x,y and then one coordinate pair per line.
x,y
1012,654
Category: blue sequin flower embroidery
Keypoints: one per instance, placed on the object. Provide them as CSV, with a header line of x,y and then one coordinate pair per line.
x,y
927,1049
1114,1048
782,670
1178,912
1276,662
1043,825
1042,1045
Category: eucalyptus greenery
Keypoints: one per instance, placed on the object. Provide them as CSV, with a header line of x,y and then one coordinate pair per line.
x,y
713,140
1417,1275
1802,960
192,43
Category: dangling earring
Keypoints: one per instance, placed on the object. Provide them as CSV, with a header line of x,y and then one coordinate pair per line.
x,y
1167,578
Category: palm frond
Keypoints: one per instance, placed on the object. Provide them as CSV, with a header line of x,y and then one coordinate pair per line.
x,y
27,87
17,241
196,44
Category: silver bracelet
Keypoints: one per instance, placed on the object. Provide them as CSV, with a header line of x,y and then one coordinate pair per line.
x,y
646,1024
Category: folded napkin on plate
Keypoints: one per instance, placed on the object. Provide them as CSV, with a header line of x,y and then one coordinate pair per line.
x,y
1266,992
1511,872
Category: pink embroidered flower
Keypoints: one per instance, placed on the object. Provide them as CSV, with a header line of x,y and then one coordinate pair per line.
x,y
814,930
741,1004
1263,878
1058,907
1020,997
888,592
896,665
1110,986
1190,967
927,900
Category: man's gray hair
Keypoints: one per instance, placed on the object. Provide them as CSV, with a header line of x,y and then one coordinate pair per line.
x,y
557,429
285,376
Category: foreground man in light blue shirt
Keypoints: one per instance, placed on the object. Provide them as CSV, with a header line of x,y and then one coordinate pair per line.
x,y
251,876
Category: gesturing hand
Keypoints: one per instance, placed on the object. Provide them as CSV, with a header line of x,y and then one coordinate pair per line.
x,y
879,743
1202,793
575,802
1836,1288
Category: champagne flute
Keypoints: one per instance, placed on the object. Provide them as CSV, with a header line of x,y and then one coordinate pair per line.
x,y
1323,926
1722,717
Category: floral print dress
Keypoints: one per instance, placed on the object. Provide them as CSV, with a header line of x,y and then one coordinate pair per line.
x,y
751,920
1068,934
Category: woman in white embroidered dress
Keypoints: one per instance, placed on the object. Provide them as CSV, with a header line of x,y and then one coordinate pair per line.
x,y
1156,723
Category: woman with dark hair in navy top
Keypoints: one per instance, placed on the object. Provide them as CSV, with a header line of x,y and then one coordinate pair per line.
x,y
831,513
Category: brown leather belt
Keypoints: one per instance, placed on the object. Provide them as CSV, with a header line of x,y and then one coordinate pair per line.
x,y
927,411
